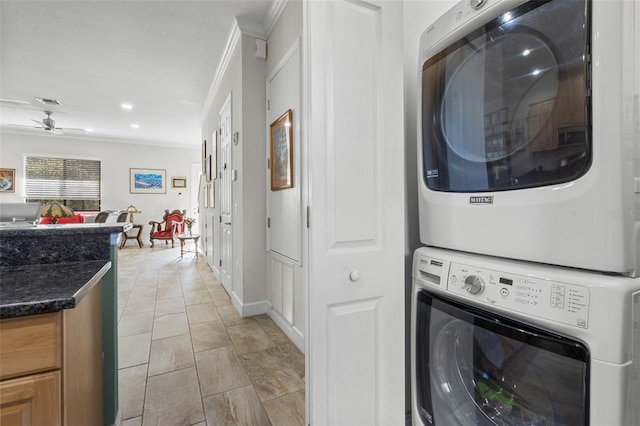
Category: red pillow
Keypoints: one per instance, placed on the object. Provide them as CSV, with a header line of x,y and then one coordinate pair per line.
x,y
45,221
77,218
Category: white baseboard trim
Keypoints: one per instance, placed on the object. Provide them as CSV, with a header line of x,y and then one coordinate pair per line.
x,y
249,309
291,331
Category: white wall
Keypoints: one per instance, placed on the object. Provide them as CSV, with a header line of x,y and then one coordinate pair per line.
x,y
287,207
116,160
418,15
243,77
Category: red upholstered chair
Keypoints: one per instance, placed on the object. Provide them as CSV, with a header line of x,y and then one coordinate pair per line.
x,y
172,224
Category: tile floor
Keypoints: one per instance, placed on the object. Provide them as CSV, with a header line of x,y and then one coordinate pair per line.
x,y
187,358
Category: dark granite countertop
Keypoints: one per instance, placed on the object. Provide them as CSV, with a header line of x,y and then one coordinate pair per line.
x,y
66,229
38,289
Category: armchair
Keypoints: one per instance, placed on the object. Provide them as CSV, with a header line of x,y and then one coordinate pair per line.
x,y
172,224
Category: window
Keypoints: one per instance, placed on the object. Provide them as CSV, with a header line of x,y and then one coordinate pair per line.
x,y
74,183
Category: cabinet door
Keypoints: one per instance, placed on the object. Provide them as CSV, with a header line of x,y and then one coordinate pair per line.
x,y
542,127
32,400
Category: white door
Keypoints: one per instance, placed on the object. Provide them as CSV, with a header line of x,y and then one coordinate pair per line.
x,y
354,129
226,242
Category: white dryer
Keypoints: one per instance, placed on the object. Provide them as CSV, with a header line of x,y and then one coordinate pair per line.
x,y
497,342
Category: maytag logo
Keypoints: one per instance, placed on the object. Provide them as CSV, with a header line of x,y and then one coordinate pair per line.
x,y
487,199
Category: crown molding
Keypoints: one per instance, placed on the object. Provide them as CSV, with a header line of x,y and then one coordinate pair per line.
x,y
273,14
240,27
232,42
250,28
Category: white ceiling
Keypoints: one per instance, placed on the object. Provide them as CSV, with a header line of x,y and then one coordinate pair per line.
x,y
94,55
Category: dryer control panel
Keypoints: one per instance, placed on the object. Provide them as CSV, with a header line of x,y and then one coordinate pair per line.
x,y
543,298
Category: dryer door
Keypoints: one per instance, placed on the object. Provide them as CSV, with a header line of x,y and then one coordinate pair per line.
x,y
475,368
506,106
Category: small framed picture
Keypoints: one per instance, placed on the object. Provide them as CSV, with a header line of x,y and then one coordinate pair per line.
x,y
214,155
281,152
7,180
207,168
204,154
179,182
504,116
147,181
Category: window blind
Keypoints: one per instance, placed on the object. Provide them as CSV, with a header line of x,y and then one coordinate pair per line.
x,y
61,178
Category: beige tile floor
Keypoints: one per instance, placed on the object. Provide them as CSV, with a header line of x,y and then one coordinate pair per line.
x,y
187,358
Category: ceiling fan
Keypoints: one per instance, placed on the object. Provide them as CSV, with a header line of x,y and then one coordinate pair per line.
x,y
48,124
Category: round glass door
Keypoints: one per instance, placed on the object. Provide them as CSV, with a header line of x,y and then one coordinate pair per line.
x,y
487,379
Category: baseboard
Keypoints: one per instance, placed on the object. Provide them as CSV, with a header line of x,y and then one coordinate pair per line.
x,y
290,330
249,309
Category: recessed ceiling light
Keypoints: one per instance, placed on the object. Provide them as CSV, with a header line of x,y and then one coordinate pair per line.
x,y
126,106
135,125
88,130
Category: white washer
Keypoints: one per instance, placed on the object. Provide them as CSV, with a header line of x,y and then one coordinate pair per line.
x,y
497,342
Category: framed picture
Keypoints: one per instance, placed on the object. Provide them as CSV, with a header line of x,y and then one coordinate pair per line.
x,y
199,185
281,154
204,154
207,168
504,116
214,155
178,182
147,181
212,194
7,180
206,195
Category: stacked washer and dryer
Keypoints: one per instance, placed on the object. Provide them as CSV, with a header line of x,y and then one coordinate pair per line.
x,y
526,296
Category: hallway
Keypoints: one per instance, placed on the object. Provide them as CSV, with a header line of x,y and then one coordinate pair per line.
x,y
187,358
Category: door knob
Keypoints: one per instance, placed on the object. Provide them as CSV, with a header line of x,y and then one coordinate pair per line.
x,y
354,276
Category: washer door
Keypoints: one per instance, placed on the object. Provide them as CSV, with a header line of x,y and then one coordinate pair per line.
x,y
476,369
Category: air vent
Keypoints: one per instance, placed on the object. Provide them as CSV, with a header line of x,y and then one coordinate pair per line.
x,y
48,101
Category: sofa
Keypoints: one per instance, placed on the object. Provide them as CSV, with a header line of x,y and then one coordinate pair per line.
x,y
76,218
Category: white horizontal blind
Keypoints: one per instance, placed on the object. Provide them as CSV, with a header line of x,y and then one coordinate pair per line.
x,y
61,178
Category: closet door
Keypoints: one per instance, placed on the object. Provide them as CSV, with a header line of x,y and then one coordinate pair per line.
x,y
354,129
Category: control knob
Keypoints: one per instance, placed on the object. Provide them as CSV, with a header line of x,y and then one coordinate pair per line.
x,y
476,4
474,284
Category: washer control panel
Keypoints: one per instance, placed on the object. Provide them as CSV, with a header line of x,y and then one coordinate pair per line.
x,y
562,302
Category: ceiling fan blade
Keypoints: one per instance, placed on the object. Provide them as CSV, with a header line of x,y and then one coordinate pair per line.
x,y
57,132
70,129
36,121
22,125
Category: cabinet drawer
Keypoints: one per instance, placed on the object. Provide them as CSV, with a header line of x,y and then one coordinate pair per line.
x,y
30,344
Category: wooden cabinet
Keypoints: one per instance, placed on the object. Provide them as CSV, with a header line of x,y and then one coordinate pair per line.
x,y
32,400
564,111
51,366
542,126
